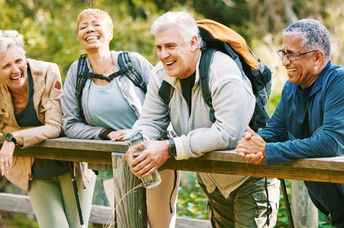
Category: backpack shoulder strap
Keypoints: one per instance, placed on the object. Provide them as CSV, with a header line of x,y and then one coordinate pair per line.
x,y
127,68
166,92
235,57
204,67
82,76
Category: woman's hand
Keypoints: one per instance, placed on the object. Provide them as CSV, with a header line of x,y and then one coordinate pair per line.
x,y
118,135
6,154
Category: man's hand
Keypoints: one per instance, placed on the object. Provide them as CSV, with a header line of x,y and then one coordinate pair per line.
x,y
152,155
251,147
6,154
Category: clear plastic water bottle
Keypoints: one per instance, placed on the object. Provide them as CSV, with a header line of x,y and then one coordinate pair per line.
x,y
152,180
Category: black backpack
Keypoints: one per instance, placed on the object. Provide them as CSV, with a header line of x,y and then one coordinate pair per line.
x,y
126,68
217,37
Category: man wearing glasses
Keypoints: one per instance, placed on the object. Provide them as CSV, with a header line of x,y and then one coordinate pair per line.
x,y
309,119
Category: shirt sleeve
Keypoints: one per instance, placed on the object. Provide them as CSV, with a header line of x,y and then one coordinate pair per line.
x,y
327,141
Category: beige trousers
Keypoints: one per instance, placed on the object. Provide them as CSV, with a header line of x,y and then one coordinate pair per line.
x,y
160,202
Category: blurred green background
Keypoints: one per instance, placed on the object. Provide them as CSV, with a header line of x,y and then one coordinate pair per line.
x,y
48,27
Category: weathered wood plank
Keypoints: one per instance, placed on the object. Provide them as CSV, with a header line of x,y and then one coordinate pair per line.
x,y
131,208
298,171
99,214
227,162
305,214
15,203
192,223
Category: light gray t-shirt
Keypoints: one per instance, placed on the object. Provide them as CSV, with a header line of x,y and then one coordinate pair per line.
x,y
108,108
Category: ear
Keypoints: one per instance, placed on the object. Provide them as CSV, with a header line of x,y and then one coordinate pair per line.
x,y
319,58
194,43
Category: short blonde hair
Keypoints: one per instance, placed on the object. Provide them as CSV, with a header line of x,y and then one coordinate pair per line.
x,y
10,38
96,13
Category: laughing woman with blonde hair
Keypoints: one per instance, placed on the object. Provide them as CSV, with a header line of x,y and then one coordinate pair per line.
x,y
110,106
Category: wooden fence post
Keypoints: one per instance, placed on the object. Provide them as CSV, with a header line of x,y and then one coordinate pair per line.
x,y
131,208
304,212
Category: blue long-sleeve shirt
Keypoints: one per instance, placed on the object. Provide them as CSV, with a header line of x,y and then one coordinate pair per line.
x,y
310,122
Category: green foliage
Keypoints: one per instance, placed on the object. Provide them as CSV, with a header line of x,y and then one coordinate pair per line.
x,y
282,218
17,220
192,202
50,35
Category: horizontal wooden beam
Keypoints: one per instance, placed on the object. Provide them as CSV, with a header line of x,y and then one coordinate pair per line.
x,y
99,214
226,162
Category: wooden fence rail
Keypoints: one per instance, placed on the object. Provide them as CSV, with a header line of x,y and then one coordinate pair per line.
x,y
227,162
98,151
99,214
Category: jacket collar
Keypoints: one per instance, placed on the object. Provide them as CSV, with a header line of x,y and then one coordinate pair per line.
x,y
38,79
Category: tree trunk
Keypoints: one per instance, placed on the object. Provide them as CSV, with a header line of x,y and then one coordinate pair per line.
x,y
130,209
305,214
289,12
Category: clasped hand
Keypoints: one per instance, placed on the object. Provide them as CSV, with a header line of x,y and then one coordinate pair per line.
x,y
251,147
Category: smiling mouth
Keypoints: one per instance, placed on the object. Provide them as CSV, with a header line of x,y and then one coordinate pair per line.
x,y
291,70
92,38
16,77
170,63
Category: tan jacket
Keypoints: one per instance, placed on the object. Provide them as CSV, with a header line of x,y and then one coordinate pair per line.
x,y
46,98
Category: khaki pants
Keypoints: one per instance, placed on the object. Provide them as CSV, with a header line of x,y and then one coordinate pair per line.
x,y
54,204
246,206
161,201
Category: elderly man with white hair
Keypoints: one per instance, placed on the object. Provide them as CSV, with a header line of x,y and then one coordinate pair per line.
x,y
235,201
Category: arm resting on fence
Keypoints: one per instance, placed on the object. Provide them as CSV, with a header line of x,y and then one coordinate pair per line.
x,y
99,151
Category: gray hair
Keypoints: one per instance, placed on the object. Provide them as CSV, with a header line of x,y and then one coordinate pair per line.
x,y
181,20
313,33
10,38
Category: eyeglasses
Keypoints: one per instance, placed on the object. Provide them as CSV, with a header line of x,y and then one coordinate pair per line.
x,y
292,56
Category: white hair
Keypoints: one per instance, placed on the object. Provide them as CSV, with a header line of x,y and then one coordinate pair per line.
x,y
10,38
183,21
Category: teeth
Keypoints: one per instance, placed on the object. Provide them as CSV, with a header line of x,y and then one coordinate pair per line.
x,y
91,38
16,77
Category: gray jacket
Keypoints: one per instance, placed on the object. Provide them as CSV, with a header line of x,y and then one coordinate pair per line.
x,y
73,125
233,102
